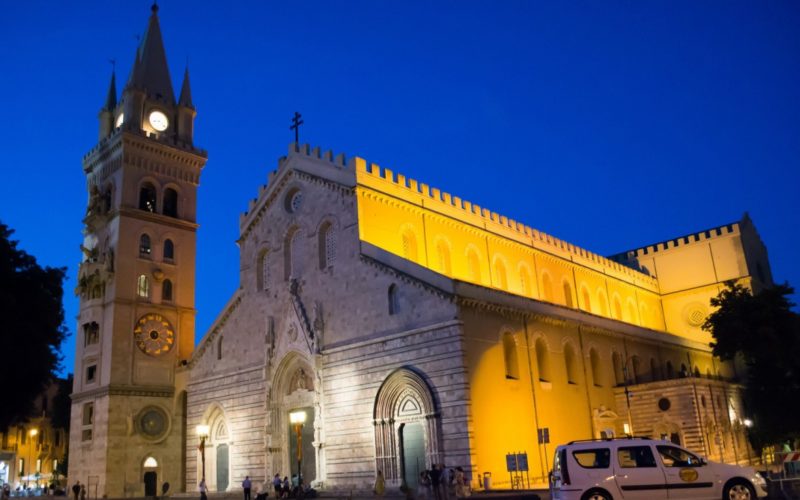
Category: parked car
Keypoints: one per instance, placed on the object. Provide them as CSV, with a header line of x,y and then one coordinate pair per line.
x,y
642,468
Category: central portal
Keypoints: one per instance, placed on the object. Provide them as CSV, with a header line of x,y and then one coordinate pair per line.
x,y
222,467
413,453
307,438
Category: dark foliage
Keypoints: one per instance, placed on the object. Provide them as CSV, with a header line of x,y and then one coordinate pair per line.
x,y
764,332
30,305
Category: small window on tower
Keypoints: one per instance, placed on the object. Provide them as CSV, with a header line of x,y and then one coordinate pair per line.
x,y
91,373
394,304
166,291
88,414
143,286
91,333
170,202
147,197
169,251
144,246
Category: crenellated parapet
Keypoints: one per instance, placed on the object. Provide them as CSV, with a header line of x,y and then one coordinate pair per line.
x,y
681,241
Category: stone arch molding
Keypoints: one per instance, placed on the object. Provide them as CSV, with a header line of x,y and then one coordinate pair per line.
x,y
404,397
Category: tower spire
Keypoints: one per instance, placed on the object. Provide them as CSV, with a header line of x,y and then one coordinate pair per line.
x,y
150,70
186,91
111,98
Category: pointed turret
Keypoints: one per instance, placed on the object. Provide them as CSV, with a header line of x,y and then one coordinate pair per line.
x,y
186,91
150,71
111,98
106,115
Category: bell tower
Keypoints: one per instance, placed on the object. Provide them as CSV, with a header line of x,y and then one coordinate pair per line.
x,y
136,285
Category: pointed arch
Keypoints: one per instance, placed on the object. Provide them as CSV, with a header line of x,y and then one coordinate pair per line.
x,y
169,251
602,302
148,197
547,287
568,300
510,356
326,244
166,291
394,303
617,311
524,273
145,247
474,265
409,243
404,397
587,298
143,286
570,363
594,361
443,264
542,360
616,363
500,273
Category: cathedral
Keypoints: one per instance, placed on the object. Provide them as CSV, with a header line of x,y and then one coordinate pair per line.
x,y
380,324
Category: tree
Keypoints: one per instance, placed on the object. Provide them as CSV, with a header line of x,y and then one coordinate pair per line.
x,y
762,331
33,329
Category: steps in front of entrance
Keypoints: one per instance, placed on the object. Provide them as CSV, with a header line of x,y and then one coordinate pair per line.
x,y
365,495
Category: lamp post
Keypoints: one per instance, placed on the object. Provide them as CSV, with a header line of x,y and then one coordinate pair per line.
x,y
298,418
202,433
33,432
627,396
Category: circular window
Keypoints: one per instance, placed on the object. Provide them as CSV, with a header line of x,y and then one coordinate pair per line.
x,y
152,422
293,200
664,404
695,313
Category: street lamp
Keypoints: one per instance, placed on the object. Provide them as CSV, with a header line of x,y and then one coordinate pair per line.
x,y
202,433
33,432
298,418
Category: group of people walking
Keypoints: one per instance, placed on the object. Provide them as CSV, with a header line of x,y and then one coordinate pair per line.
x,y
437,483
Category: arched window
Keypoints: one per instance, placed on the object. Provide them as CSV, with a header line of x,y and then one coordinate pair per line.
x,y
170,202
326,241
670,371
166,291
594,360
443,257
571,364
636,368
696,371
91,333
150,462
394,306
524,280
602,301
501,279
587,300
617,308
169,251
510,356
547,288
219,347
144,246
409,245
291,264
474,266
542,361
619,376
147,197
684,372
567,295
262,270
632,312
143,287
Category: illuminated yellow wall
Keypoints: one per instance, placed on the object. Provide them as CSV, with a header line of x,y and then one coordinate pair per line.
x,y
469,243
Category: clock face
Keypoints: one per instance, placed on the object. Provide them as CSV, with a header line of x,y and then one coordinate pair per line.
x,y
152,422
153,334
158,121
120,120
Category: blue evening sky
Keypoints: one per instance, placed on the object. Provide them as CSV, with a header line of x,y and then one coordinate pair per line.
x,y
607,124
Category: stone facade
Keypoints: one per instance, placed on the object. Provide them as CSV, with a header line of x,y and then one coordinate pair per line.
x,y
409,326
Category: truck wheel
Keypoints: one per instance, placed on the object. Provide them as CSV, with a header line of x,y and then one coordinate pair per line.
x,y
596,495
738,490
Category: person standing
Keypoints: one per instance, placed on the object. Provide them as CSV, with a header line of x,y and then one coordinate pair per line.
x,y
380,484
436,479
83,492
203,489
246,487
76,490
462,488
276,484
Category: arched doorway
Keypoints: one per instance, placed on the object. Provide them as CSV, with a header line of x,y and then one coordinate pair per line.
x,y
413,440
406,421
294,390
150,477
223,465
